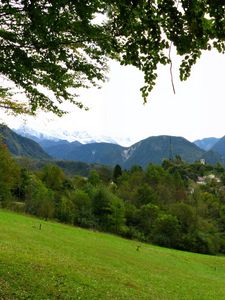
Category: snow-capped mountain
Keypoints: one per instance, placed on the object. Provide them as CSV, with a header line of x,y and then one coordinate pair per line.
x,y
71,136
34,134
85,137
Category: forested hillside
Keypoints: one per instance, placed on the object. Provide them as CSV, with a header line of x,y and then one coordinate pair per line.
x,y
177,205
70,168
219,147
21,146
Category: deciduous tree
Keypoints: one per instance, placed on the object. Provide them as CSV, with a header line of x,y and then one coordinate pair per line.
x,y
63,46
9,175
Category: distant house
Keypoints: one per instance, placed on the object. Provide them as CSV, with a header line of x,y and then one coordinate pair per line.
x,y
213,177
207,178
202,161
201,180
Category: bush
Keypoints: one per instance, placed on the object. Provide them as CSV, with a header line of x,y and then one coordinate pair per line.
x,y
201,242
167,231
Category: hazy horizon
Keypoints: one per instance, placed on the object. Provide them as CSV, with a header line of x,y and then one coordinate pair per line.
x,y
85,137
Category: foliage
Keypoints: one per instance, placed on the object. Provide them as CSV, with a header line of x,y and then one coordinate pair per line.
x,y
94,177
147,216
166,231
9,175
117,216
53,45
117,172
38,199
101,207
145,29
83,209
165,205
62,46
52,176
65,210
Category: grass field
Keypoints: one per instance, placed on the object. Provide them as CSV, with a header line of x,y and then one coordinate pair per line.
x,y
64,262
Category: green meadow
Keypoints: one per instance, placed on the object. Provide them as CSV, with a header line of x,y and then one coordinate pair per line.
x,y
65,262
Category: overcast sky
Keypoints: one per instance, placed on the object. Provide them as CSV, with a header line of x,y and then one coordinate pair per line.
x,y
197,109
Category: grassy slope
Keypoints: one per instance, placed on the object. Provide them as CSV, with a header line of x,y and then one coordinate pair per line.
x,y
63,262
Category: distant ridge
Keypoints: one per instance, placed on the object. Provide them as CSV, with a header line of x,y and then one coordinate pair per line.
x,y
213,157
21,146
206,143
219,147
157,148
59,149
101,153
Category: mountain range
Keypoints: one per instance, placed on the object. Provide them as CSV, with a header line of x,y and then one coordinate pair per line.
x,y
59,134
150,150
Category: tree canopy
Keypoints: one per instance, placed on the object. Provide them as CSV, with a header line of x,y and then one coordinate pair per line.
x,y
63,45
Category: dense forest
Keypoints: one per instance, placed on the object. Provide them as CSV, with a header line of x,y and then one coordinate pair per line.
x,y
177,205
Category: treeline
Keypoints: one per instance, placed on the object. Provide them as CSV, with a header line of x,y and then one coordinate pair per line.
x,y
175,205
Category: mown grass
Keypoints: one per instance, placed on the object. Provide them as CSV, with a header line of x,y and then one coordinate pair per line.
x,y
64,262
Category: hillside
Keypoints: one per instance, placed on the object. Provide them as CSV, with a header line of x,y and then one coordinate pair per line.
x,y
21,146
213,157
60,149
220,146
206,143
102,153
63,262
157,148
71,168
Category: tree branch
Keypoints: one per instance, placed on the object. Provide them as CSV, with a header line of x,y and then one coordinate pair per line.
x,y
171,63
171,68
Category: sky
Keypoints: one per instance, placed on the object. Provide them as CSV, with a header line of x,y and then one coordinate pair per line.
x,y
196,111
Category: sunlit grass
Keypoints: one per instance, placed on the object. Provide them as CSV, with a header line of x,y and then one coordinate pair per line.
x,y
64,262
